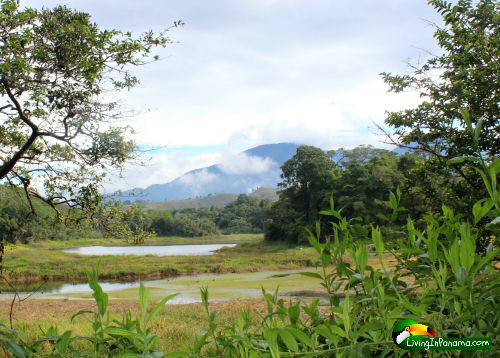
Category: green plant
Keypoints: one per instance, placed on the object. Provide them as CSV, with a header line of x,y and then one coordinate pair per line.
x,y
438,277
128,337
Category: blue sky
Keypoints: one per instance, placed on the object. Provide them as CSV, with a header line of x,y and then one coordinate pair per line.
x,y
245,73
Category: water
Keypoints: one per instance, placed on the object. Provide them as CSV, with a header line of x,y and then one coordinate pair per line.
x,y
221,287
159,250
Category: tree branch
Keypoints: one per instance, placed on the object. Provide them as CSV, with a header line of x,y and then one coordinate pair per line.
x,y
9,165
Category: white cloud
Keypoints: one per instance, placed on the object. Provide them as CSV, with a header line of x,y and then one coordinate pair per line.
x,y
246,73
198,177
196,180
159,169
243,164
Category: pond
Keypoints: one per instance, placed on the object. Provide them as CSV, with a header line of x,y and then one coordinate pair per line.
x,y
159,250
221,287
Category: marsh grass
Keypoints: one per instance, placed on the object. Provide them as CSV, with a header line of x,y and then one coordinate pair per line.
x,y
45,260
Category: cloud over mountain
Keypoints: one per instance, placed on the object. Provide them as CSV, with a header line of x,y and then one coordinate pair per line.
x,y
241,173
243,163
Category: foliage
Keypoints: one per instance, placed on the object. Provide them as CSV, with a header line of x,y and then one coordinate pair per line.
x,y
360,179
465,75
185,223
244,215
58,127
19,223
128,337
306,179
438,278
129,223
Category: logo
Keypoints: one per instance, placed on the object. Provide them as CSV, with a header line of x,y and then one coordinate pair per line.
x,y
411,335
406,328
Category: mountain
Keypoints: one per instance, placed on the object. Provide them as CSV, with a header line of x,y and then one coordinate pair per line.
x,y
243,173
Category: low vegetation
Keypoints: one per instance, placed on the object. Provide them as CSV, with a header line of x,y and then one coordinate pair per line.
x,y
46,261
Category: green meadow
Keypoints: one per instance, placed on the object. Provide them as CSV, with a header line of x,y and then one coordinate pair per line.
x,y
46,260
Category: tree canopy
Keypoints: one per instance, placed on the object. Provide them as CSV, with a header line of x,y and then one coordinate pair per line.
x,y
59,130
359,179
306,180
456,86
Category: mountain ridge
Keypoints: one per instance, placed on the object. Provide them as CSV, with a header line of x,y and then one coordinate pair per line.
x,y
253,168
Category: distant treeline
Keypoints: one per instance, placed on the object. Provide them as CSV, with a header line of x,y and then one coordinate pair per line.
x,y
245,215
359,181
19,223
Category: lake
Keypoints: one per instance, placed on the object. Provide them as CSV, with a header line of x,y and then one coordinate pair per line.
x,y
158,250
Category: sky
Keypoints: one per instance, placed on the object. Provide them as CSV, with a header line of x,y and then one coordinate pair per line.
x,y
242,73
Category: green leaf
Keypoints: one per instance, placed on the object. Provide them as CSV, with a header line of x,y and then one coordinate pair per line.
x,y
494,224
16,349
159,307
339,331
377,241
289,340
466,116
143,302
361,257
302,337
460,160
346,316
326,257
79,313
271,337
477,130
204,297
393,201
325,332
311,274
63,342
313,241
481,209
116,331
294,313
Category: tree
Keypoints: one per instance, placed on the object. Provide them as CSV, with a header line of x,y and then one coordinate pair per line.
x,y
457,85
58,128
307,178
307,181
362,187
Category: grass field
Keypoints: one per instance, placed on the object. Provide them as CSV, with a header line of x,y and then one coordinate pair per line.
x,y
175,326
46,261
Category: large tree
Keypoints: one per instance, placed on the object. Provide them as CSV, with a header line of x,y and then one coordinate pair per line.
x,y
59,130
307,180
462,81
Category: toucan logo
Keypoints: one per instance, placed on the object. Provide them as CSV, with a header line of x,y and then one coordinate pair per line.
x,y
406,328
